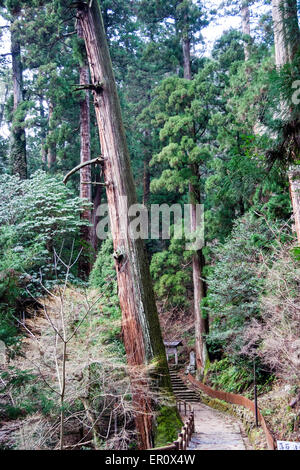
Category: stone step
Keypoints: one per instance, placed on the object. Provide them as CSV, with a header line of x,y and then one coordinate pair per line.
x,y
185,396
178,385
181,391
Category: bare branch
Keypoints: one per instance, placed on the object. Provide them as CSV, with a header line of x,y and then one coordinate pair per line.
x,y
98,160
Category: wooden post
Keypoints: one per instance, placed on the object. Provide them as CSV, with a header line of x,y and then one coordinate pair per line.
x,y
176,444
140,324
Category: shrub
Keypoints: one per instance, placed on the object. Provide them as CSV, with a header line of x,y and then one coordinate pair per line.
x,y
275,338
236,284
36,216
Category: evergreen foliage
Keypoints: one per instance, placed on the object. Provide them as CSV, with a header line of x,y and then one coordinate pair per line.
x,y
225,138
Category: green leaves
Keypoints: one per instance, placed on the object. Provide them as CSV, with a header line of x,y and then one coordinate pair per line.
x,y
234,284
181,111
171,272
36,216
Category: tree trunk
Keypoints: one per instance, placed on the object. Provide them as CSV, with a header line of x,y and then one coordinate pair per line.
x,y
3,101
287,41
186,48
286,30
43,135
140,323
147,159
18,138
51,144
86,172
95,217
147,173
281,56
199,289
199,286
245,13
294,181
146,180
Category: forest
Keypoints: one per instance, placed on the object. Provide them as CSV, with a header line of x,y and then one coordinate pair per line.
x,y
149,225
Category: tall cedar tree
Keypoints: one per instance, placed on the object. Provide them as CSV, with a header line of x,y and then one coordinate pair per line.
x,y
18,158
140,324
188,20
85,156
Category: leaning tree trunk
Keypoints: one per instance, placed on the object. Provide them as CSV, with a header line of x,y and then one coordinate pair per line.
x,y
85,156
18,157
140,324
199,286
287,42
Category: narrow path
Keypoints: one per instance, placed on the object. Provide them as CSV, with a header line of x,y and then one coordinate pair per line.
x,y
214,430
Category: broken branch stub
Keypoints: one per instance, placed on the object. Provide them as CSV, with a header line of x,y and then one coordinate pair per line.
x,y
98,160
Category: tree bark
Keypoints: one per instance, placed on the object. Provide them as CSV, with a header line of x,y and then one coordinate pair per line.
x,y
95,218
294,183
140,323
18,137
199,288
51,144
43,136
147,173
246,28
146,181
186,48
281,56
3,101
286,30
287,42
86,172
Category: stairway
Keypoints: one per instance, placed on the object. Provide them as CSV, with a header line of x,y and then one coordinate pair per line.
x,y
213,430
181,391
